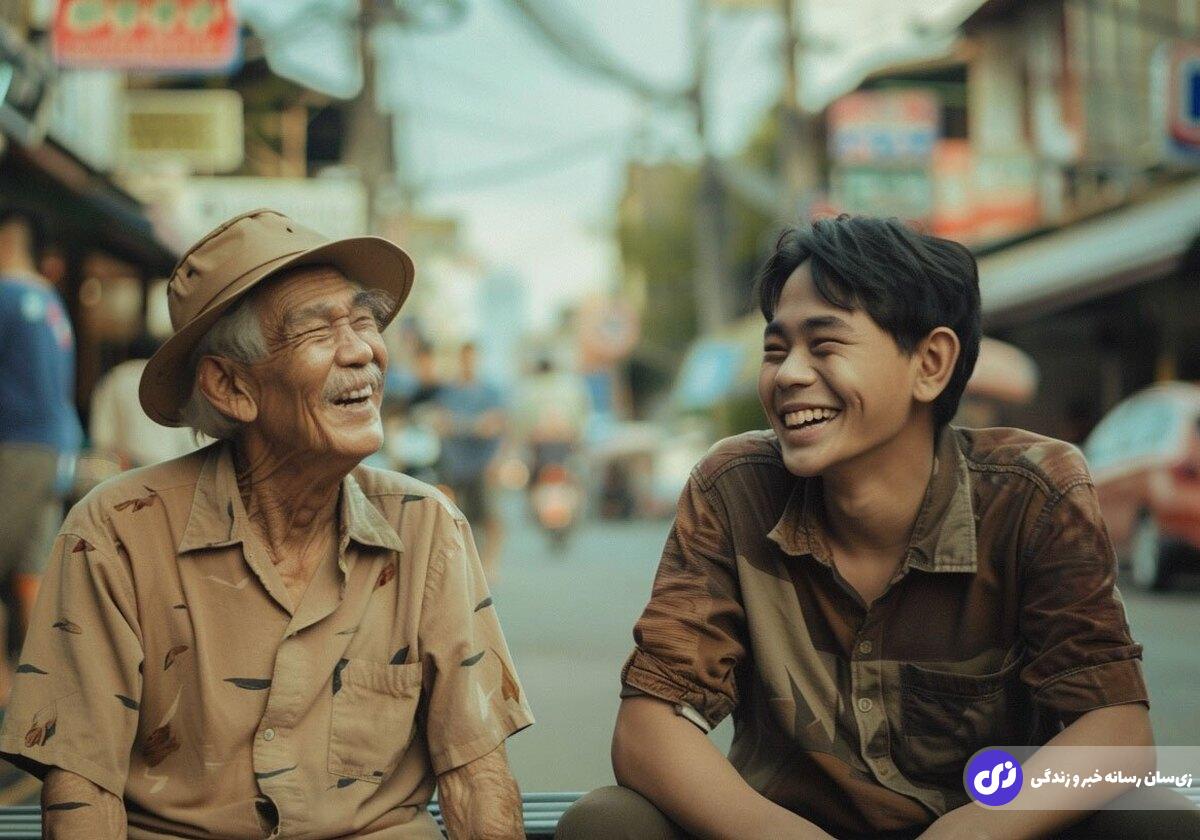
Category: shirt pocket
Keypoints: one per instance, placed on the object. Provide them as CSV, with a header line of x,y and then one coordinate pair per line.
x,y
947,716
373,716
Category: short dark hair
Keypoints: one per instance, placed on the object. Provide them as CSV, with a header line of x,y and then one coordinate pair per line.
x,y
33,223
908,282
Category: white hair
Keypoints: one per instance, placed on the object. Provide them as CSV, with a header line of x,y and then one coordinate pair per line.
x,y
236,335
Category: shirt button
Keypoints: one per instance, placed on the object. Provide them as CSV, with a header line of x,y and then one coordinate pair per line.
x,y
865,704
865,647
269,735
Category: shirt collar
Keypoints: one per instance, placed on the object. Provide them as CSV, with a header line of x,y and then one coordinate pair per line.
x,y
215,520
217,517
362,521
943,538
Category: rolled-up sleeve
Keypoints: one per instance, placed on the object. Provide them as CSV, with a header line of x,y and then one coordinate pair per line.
x,y
78,687
473,699
690,638
1073,623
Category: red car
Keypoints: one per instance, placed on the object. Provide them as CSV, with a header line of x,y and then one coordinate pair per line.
x,y
1145,458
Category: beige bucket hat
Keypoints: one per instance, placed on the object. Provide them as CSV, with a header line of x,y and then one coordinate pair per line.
x,y
238,255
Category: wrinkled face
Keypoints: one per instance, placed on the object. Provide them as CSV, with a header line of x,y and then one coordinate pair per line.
x,y
320,387
833,383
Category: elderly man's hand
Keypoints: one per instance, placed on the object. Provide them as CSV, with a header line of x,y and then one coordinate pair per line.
x,y
481,800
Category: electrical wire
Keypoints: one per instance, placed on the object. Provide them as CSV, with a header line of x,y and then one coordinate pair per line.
x,y
572,43
541,163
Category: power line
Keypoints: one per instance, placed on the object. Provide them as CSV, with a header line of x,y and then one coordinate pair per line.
x,y
574,44
538,164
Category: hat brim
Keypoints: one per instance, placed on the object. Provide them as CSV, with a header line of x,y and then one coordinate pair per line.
x,y
370,261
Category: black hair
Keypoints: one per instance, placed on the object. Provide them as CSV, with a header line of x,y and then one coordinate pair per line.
x,y
32,222
908,282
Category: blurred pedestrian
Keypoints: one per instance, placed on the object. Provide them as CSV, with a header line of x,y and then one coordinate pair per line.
x,y
428,381
472,424
118,425
39,427
550,414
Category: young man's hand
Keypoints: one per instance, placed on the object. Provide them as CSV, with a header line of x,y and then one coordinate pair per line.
x,y
1125,725
673,764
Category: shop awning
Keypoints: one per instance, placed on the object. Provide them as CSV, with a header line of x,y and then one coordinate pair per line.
x,y
83,207
1091,258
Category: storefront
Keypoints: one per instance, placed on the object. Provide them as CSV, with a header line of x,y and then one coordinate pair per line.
x,y
1104,307
103,254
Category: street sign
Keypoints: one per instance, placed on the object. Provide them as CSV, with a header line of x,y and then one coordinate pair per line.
x,y
202,128
193,36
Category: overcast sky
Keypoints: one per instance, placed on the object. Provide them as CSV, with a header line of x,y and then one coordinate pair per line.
x,y
529,151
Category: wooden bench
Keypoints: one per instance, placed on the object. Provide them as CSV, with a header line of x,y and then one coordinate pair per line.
x,y
542,812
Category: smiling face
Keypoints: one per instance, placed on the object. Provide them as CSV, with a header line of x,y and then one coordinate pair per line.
x,y
321,384
835,386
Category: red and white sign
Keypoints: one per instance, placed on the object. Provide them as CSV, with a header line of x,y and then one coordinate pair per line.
x,y
161,35
884,126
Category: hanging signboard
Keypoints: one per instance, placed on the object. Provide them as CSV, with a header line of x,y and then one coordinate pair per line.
x,y
884,127
201,128
191,36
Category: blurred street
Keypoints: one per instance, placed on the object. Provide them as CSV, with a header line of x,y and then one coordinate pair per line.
x,y
568,620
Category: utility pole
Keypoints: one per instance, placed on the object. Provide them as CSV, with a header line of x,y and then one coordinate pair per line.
x,y
799,155
711,280
369,132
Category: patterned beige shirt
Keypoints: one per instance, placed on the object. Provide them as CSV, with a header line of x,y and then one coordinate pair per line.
x,y
167,663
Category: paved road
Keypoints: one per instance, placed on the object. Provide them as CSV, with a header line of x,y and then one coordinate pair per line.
x,y
568,623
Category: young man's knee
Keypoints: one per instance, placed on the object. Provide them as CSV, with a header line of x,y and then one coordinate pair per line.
x,y
616,813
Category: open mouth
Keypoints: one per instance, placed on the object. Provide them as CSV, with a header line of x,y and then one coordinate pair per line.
x,y
359,396
809,418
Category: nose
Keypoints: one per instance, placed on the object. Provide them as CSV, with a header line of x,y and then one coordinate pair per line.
x,y
795,372
353,350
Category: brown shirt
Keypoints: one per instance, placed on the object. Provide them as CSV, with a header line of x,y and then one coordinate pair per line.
x,y
1002,624
167,663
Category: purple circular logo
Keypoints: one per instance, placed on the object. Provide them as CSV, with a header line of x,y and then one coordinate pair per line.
x,y
993,777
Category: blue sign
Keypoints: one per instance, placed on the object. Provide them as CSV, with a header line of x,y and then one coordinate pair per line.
x,y
709,373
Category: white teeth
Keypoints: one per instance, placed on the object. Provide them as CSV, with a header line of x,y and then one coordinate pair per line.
x,y
359,394
808,415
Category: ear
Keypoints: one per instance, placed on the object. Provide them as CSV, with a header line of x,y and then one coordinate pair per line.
x,y
230,392
936,356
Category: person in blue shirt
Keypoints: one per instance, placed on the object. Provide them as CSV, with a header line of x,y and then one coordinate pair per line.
x,y
40,432
472,426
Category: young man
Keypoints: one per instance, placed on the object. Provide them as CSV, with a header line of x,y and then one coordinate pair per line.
x,y
873,594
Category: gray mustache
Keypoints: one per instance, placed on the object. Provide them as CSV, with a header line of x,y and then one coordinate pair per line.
x,y
341,383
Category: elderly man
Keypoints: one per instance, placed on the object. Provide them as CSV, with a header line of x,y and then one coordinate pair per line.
x,y
264,638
